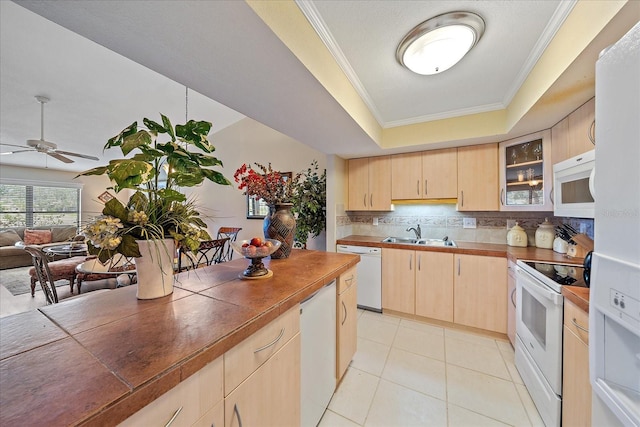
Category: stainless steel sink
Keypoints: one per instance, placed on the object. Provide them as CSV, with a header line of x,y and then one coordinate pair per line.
x,y
420,242
405,240
436,242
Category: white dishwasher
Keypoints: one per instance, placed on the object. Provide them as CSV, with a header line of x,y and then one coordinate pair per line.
x,y
317,354
369,275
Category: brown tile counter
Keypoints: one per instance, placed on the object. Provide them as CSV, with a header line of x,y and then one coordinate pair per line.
x,y
98,359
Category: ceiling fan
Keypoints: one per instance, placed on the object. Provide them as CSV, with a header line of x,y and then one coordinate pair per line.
x,y
46,147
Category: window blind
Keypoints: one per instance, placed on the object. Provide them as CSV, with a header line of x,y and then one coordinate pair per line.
x,y
31,205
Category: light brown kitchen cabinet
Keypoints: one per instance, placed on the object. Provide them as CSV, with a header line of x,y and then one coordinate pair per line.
x,y
526,173
576,388
573,135
195,401
511,302
398,280
347,320
424,175
370,184
478,178
480,290
270,395
434,285
262,373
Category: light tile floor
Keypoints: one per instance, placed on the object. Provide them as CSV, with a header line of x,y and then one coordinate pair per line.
x,y
408,373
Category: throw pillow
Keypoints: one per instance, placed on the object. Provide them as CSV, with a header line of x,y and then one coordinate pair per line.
x,y
37,237
63,234
9,238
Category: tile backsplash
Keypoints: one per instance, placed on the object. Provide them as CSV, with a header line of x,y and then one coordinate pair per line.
x,y
438,221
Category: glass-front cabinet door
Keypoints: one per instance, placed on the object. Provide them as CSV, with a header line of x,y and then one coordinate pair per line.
x,y
526,173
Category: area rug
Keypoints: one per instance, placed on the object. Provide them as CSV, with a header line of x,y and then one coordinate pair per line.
x,y
18,282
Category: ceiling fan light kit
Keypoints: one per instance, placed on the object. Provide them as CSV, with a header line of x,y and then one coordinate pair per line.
x,y
439,43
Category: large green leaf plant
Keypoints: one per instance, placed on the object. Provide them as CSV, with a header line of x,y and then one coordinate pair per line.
x,y
156,171
309,203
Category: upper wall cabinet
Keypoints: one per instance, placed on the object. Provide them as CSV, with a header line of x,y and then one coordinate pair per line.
x,y
370,184
478,178
575,134
425,175
526,173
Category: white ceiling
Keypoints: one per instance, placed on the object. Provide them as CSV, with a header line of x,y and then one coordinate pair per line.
x,y
364,41
95,63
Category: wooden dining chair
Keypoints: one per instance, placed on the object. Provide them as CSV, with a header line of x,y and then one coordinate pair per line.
x,y
209,252
43,274
232,234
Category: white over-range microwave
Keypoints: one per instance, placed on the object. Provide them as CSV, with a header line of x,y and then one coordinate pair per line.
x,y
573,186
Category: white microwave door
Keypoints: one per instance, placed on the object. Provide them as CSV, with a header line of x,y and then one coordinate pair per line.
x,y
573,191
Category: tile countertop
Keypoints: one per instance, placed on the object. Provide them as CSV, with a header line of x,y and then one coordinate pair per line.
x,y
96,360
579,296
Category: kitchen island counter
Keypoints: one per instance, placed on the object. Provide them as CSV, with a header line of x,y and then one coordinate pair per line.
x,y
97,359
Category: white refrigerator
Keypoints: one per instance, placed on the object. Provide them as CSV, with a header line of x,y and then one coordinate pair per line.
x,y
614,310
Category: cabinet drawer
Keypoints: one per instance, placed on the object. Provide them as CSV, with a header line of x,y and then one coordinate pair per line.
x,y
347,279
250,354
196,395
576,320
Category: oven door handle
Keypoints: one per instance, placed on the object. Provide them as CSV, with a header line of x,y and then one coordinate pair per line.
x,y
534,286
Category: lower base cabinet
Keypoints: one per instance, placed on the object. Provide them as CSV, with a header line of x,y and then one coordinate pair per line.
x,y
270,396
576,388
480,292
346,321
195,401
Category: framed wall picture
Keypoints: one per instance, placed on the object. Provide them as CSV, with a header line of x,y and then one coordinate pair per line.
x,y
105,197
258,208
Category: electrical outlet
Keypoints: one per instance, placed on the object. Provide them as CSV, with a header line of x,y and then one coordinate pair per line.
x,y
468,223
375,220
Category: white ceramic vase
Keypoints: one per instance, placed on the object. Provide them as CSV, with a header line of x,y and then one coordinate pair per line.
x,y
155,268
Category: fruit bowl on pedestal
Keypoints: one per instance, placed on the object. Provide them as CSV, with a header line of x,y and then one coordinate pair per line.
x,y
256,249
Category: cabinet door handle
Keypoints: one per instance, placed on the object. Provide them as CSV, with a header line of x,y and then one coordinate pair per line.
x,y
419,262
364,200
502,196
418,187
425,187
349,280
344,307
410,262
459,267
264,347
462,197
575,323
237,412
551,195
591,133
371,200
175,415
513,296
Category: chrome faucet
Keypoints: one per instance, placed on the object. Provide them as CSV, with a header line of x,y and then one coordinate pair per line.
x,y
416,230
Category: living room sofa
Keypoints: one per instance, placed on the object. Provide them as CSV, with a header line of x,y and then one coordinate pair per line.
x,y
12,254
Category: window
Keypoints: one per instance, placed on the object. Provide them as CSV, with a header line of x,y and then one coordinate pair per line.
x,y
34,204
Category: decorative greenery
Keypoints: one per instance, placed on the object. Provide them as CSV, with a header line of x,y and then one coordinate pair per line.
x,y
157,209
309,201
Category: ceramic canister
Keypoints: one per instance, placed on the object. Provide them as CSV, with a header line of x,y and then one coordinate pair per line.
x,y
517,236
545,234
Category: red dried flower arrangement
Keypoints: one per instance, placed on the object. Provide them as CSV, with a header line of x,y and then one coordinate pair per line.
x,y
270,185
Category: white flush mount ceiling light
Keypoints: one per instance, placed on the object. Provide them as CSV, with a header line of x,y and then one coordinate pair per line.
x,y
439,43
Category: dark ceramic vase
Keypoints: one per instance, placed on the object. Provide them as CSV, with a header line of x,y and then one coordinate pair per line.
x,y
281,225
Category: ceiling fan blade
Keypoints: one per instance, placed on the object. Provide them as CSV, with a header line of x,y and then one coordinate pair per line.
x,y
84,156
14,145
59,156
4,153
